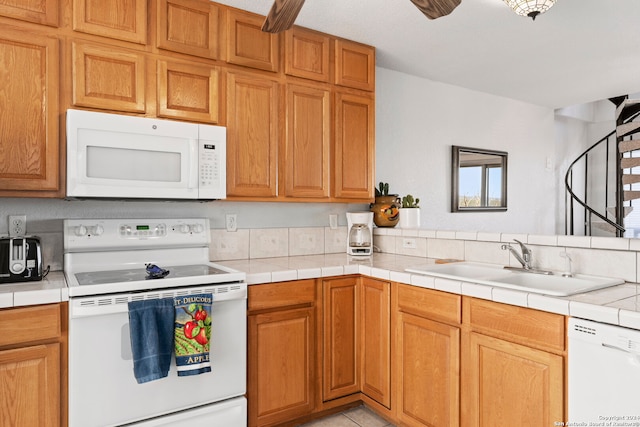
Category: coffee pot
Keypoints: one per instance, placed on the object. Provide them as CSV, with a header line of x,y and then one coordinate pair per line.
x,y
360,233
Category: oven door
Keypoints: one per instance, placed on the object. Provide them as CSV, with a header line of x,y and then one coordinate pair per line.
x,y
102,388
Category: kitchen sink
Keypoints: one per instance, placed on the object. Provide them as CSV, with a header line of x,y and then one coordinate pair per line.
x,y
495,275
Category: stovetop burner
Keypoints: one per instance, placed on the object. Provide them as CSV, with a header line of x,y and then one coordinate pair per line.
x,y
136,274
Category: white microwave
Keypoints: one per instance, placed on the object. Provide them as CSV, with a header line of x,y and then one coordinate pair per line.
x,y
127,157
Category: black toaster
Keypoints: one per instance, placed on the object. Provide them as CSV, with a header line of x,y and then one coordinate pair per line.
x,y
20,259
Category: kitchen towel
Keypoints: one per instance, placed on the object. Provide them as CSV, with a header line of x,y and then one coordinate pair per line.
x,y
151,330
193,334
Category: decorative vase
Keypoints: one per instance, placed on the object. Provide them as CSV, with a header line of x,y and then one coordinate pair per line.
x,y
409,218
386,210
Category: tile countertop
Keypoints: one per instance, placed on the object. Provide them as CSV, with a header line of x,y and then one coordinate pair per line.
x,y
51,289
617,305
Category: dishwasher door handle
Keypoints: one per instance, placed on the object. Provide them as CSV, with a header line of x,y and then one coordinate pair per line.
x,y
625,350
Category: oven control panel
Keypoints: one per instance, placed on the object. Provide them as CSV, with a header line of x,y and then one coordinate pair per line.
x,y
88,234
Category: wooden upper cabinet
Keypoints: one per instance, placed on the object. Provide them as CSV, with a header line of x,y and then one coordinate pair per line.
x,y
38,11
188,26
355,65
29,113
188,92
354,142
117,19
252,136
248,45
307,142
307,54
108,78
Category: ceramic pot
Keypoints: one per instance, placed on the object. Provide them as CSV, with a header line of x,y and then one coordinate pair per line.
x,y
386,210
409,218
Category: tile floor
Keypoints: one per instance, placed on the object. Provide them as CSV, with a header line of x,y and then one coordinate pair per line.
x,y
360,416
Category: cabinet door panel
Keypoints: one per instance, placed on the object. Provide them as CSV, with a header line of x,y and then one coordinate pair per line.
x,y
308,142
354,146
510,384
107,78
29,147
281,365
188,92
341,301
30,379
428,372
118,19
376,340
307,54
38,11
188,26
248,45
252,136
355,65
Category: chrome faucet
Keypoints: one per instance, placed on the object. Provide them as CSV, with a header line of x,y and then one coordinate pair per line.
x,y
525,259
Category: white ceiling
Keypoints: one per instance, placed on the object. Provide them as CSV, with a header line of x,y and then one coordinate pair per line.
x,y
578,51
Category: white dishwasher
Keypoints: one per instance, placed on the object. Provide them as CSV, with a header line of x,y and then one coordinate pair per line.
x,y
604,374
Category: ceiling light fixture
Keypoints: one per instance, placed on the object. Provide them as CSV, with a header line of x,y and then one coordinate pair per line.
x,y
530,8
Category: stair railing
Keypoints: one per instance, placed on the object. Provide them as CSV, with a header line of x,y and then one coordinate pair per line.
x,y
589,211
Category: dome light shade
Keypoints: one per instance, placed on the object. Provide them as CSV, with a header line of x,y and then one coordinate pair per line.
x,y
530,8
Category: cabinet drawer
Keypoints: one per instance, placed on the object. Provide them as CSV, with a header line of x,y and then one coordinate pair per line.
x,y
29,324
274,295
522,325
428,303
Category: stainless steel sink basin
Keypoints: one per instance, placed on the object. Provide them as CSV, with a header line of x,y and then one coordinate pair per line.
x,y
496,276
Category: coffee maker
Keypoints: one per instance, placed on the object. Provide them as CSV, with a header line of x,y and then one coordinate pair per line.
x,y
360,233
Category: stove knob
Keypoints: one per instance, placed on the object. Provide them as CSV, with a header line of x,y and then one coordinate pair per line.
x,y
81,230
184,228
98,230
197,228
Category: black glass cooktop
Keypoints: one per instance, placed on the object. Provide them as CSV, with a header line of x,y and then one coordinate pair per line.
x,y
135,274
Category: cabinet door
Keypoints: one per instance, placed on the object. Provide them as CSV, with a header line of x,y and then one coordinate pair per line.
x,y
108,78
252,136
376,345
118,19
188,26
428,372
307,54
354,146
188,92
307,142
38,11
248,45
29,140
30,379
341,302
281,364
355,65
511,384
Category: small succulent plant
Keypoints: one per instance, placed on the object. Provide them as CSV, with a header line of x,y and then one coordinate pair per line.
x,y
409,202
383,189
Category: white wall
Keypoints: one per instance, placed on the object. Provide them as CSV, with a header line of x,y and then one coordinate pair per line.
x,y
417,122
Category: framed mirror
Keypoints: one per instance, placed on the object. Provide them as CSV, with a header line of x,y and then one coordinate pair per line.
x,y
478,180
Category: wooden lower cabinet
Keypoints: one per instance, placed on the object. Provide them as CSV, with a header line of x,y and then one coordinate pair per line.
x,y
281,352
33,366
427,357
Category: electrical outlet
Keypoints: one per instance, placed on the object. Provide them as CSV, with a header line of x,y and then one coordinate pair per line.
x,y
333,221
231,220
409,243
17,225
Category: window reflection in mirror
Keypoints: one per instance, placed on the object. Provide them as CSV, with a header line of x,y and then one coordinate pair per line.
x,y
479,180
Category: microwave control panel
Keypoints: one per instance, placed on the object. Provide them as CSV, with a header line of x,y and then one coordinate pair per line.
x,y
212,161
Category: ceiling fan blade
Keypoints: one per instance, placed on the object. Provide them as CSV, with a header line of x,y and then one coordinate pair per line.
x,y
282,15
436,8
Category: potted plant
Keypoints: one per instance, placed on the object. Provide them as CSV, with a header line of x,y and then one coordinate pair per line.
x,y
409,213
386,207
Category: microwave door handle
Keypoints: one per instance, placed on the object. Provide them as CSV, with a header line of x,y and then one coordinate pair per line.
x,y
193,164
